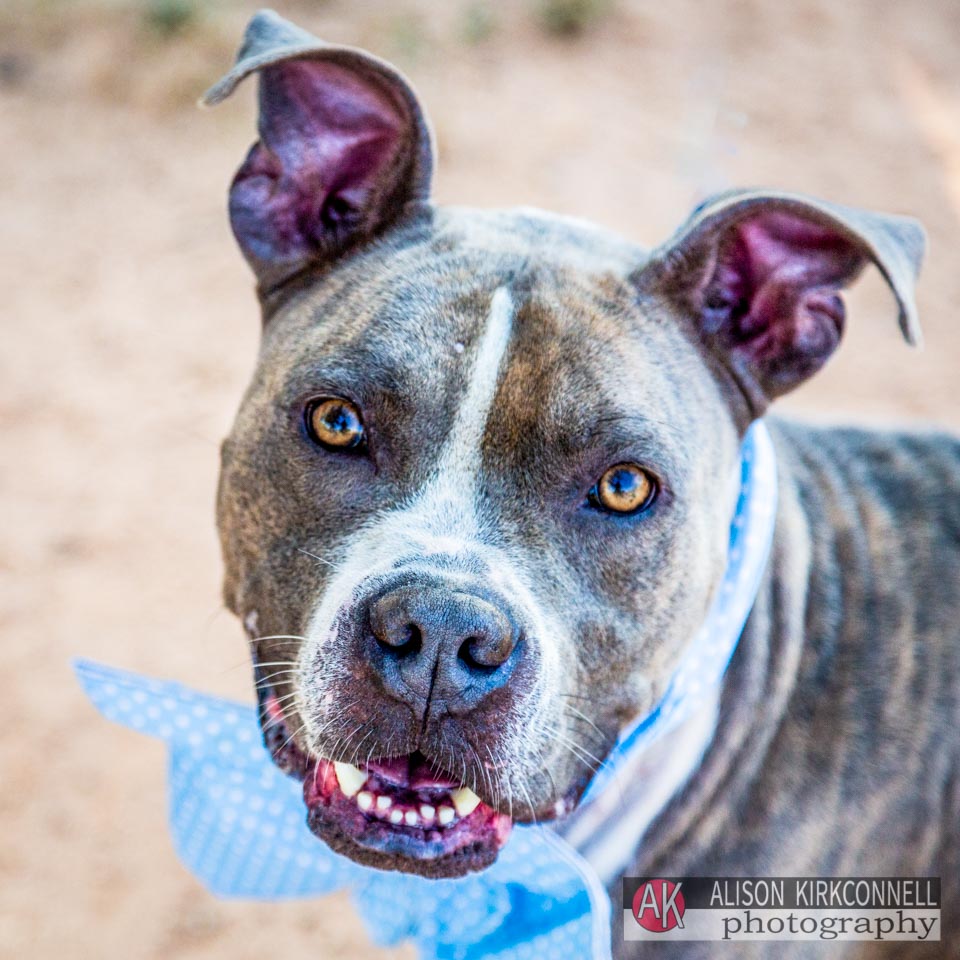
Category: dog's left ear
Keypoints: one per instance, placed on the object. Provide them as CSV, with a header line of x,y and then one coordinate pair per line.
x,y
344,149
760,275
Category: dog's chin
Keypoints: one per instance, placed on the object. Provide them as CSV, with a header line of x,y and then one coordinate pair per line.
x,y
402,814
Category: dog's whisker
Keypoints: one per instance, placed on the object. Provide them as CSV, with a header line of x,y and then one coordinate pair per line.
x,y
577,716
315,557
359,746
554,790
530,803
291,668
286,697
573,752
494,760
600,764
275,679
272,678
594,763
273,722
264,681
296,733
484,772
213,616
333,721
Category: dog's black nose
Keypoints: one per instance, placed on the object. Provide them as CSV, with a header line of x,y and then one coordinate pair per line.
x,y
444,644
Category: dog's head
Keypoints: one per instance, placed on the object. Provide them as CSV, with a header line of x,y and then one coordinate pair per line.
x,y
477,497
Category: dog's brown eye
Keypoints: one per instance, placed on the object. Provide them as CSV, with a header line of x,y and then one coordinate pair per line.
x,y
625,488
335,424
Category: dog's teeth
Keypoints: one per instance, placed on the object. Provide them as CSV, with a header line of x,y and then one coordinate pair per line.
x,y
445,815
427,812
465,800
396,816
350,778
411,817
364,800
384,803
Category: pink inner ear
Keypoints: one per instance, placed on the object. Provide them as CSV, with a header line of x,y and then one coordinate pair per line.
x,y
773,297
329,146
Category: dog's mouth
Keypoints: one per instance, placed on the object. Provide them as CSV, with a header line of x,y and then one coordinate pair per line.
x,y
400,810
397,813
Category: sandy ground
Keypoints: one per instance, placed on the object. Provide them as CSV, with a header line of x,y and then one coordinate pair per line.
x,y
129,328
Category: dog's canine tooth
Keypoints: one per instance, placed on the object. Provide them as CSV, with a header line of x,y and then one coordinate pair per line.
x,y
445,815
465,801
364,800
384,803
350,778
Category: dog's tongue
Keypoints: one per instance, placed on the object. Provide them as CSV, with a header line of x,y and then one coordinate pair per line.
x,y
412,771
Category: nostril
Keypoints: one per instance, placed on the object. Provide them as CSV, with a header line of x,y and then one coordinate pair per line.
x,y
404,640
467,655
485,654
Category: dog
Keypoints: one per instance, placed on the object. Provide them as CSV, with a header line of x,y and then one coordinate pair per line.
x,y
477,498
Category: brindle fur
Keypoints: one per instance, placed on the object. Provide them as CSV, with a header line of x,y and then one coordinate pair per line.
x,y
836,750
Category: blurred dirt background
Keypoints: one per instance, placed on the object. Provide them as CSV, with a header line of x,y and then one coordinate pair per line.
x,y
130,327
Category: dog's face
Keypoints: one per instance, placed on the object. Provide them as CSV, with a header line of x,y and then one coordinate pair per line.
x,y
477,497
492,495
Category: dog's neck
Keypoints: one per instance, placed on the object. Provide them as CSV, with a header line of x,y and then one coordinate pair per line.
x,y
654,776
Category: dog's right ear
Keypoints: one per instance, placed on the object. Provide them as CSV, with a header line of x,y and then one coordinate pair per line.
x,y
344,149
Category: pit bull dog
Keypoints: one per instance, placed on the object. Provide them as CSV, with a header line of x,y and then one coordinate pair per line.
x,y
477,499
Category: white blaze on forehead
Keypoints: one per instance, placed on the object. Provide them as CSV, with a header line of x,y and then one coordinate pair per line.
x,y
441,517
461,455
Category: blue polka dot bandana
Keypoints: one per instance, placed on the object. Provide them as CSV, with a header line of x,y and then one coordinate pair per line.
x,y
240,824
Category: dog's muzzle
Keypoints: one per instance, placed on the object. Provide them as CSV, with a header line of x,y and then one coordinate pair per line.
x,y
408,743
